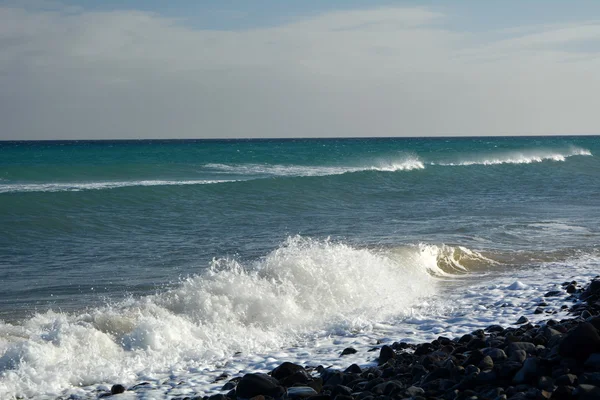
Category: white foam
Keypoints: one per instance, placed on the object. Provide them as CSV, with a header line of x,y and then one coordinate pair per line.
x,y
523,157
303,302
79,186
300,292
406,164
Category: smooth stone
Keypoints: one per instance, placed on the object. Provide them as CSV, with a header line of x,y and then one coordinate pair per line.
x,y
495,354
385,354
286,369
581,342
353,369
587,392
494,329
415,391
297,392
527,372
258,384
522,320
526,346
348,350
117,389
546,383
486,363
553,293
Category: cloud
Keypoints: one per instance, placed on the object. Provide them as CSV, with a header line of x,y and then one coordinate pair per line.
x,y
69,73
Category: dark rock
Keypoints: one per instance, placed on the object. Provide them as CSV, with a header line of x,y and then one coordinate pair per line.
x,y
415,391
353,369
341,390
476,343
300,392
332,377
589,378
566,380
529,348
563,393
495,354
587,392
117,389
385,354
581,342
494,329
286,369
539,310
522,320
571,288
553,293
423,349
465,339
592,290
343,397
585,314
388,388
546,383
486,363
348,350
258,384
593,361
218,396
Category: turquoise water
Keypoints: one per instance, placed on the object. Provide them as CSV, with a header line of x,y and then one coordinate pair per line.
x,y
173,262
84,223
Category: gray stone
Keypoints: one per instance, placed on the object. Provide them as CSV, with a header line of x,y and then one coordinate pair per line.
x,y
495,354
528,372
299,392
486,363
415,391
587,392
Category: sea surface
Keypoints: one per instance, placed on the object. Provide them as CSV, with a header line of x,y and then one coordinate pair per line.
x,y
174,262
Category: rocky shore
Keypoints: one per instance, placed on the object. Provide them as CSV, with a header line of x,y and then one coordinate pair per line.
x,y
550,360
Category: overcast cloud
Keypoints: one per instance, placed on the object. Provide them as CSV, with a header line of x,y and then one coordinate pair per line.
x,y
71,74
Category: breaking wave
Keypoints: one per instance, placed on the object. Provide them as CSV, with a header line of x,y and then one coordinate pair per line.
x,y
408,164
301,288
523,157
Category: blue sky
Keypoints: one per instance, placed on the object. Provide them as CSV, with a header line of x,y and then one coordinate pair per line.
x,y
153,69
469,15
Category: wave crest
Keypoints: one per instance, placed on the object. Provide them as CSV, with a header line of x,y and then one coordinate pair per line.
x,y
81,186
524,157
304,287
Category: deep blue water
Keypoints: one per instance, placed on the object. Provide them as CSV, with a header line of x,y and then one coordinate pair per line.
x,y
82,223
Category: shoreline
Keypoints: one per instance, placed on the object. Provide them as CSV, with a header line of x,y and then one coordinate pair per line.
x,y
553,359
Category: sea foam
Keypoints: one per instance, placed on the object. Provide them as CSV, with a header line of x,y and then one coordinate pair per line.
x,y
302,289
405,164
79,186
522,157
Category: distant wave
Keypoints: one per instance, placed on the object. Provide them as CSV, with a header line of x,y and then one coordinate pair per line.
x,y
76,187
523,157
408,164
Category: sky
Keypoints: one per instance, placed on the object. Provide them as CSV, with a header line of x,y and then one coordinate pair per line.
x,y
244,69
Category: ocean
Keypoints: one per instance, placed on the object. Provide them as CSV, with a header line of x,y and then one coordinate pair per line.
x,y
175,262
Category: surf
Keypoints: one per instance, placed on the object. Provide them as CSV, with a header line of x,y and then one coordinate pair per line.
x,y
521,157
305,287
